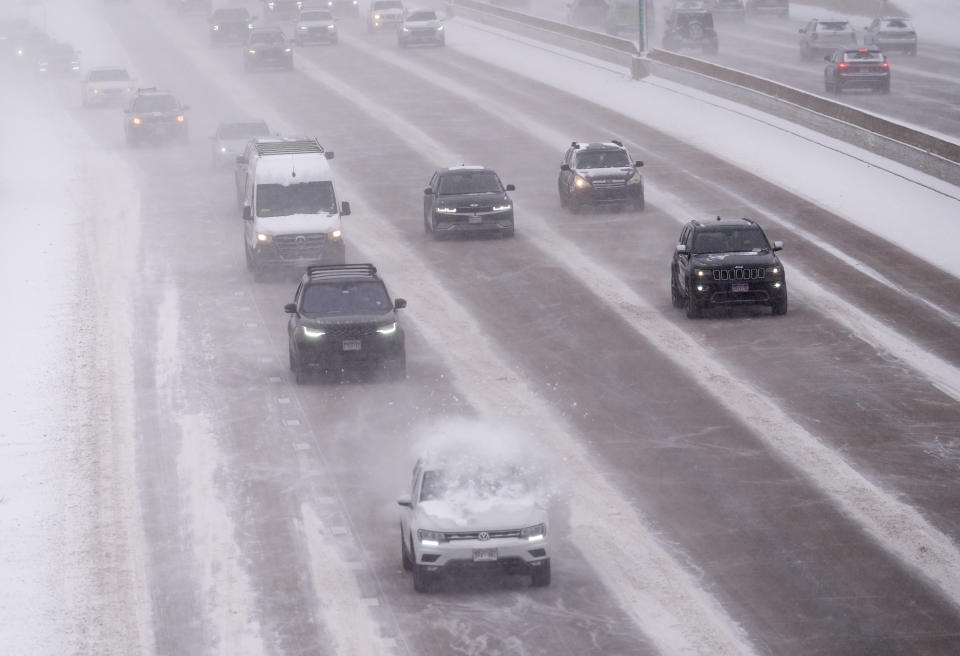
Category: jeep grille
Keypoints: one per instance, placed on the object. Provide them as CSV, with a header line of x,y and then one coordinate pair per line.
x,y
738,274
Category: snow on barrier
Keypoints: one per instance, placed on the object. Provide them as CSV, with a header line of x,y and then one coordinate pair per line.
x,y
914,148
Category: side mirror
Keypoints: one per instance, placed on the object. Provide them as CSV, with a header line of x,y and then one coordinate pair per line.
x,y
399,303
802,30
638,164
564,167
247,213
345,208
428,192
511,188
827,57
290,308
681,248
778,245
405,501
328,154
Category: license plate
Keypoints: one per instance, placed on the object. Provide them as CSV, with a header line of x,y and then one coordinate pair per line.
x,y
476,219
740,287
484,555
352,345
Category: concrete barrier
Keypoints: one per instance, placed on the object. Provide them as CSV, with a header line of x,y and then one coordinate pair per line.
x,y
914,148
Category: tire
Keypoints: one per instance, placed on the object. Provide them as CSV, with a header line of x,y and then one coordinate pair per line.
x,y
506,233
693,311
398,368
885,87
423,581
251,265
301,377
675,296
404,556
641,204
540,578
779,307
574,206
426,226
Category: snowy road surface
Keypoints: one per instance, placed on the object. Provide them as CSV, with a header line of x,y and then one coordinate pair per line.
x,y
739,484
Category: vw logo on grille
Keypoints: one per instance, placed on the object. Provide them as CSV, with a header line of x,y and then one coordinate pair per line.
x,y
300,239
483,536
474,204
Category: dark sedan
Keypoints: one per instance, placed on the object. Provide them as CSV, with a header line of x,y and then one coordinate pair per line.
x,y
230,25
267,47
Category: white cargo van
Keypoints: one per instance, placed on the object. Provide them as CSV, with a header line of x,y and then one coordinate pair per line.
x,y
291,217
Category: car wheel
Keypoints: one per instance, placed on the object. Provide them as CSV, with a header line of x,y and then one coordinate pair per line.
x,y
404,555
574,206
693,310
779,307
300,376
675,296
540,578
885,87
640,204
437,235
398,368
423,581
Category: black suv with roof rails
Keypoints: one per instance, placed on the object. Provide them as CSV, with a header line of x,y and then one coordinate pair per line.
x,y
464,199
724,262
155,114
599,174
342,317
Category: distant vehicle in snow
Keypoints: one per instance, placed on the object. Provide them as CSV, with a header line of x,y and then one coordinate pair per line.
x,y
891,33
726,262
779,8
230,25
267,47
857,68
599,174
473,514
106,85
57,58
155,115
342,317
231,137
384,14
623,17
819,37
315,26
277,10
186,6
587,13
467,199
728,9
24,47
291,217
343,8
689,26
421,26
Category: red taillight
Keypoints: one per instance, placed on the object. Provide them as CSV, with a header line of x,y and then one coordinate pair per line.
x,y
863,50
843,64
886,64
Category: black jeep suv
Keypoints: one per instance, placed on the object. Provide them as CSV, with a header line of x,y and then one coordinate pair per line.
x,y
342,317
467,199
727,261
599,174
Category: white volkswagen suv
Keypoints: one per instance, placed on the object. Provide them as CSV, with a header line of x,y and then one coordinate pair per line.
x,y
462,513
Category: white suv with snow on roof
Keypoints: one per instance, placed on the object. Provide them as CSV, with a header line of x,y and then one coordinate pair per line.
x,y
469,514
291,217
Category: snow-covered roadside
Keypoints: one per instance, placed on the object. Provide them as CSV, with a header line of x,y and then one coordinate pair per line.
x,y
69,536
910,209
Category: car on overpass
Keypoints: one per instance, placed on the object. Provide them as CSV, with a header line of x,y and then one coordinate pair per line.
x,y
856,68
780,8
728,10
689,26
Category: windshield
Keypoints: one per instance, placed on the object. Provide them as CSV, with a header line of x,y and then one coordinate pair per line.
x,y
475,483
833,26
856,56
243,130
316,16
422,16
730,241
230,15
300,198
156,104
113,75
268,37
387,4
896,24
602,159
353,297
469,182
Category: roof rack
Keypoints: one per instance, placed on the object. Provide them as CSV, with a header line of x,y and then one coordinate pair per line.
x,y
328,271
288,146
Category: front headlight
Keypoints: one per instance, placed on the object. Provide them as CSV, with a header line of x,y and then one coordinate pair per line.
x,y
181,118
96,92
701,273
430,538
502,208
312,333
376,17
336,234
636,178
774,271
534,533
302,27
440,28
249,26
262,238
580,183
406,29
252,52
447,210
331,27
288,49
216,28
136,120
389,329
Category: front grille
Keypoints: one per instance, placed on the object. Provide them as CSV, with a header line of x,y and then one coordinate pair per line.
x,y
738,274
293,247
475,535
350,331
610,183
463,209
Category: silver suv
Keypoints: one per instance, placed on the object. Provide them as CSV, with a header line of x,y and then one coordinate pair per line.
x,y
821,37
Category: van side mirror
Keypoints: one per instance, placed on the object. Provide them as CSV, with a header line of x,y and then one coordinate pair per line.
x,y
247,213
564,167
428,192
638,164
328,154
242,159
511,188
290,308
405,501
345,208
778,245
681,248
399,303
